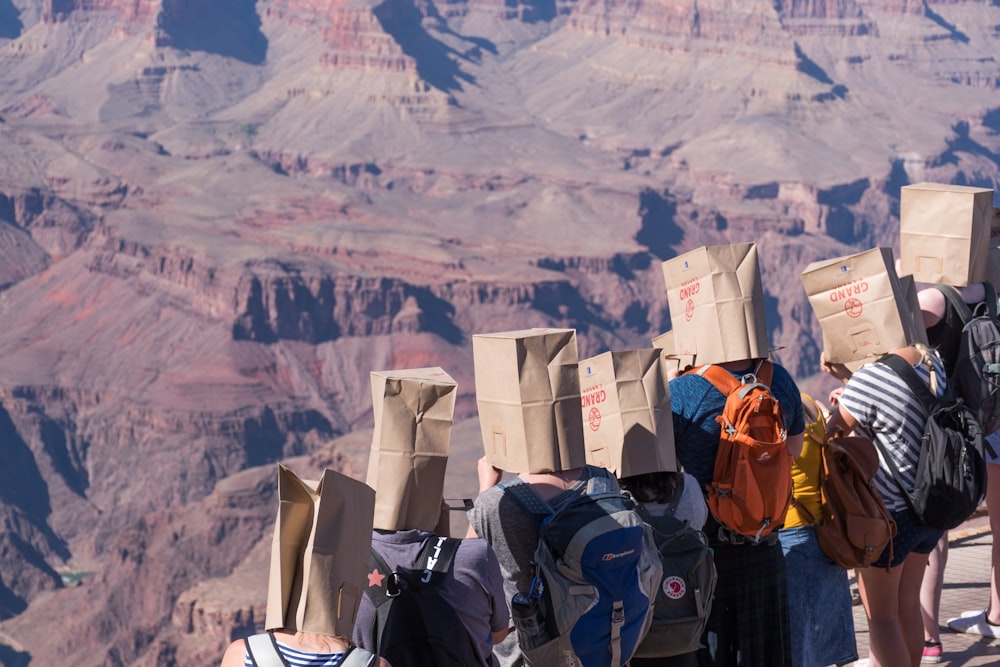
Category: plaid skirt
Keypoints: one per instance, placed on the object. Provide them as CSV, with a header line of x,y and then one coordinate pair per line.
x,y
749,624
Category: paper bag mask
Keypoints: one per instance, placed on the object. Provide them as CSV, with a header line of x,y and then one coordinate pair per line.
x,y
628,425
528,393
673,361
319,554
944,233
413,417
862,306
716,304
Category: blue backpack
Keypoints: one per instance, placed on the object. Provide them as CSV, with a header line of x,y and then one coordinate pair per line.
x,y
597,570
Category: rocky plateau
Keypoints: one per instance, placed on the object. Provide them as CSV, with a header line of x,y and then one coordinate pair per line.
x,y
218,216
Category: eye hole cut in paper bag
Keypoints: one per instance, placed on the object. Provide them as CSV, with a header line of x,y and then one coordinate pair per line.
x,y
944,233
716,303
627,422
319,554
528,393
413,409
863,307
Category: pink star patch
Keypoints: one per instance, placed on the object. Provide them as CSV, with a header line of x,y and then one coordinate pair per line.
x,y
375,579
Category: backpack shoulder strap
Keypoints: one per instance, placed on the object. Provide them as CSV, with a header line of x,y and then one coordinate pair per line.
x,y
957,303
989,304
724,381
599,482
440,564
904,370
720,378
387,587
358,657
263,650
527,498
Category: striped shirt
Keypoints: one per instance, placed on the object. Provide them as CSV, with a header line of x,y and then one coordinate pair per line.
x,y
296,658
881,402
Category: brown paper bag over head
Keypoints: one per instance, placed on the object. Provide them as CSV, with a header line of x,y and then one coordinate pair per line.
x,y
944,233
674,362
628,424
319,554
413,418
909,288
863,308
528,393
716,302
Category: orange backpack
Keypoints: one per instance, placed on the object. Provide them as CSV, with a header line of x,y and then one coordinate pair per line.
x,y
752,482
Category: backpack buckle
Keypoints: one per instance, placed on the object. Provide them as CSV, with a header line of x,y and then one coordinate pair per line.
x,y
392,587
618,614
748,378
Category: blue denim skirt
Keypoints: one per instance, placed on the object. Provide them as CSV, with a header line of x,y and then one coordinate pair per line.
x,y
819,602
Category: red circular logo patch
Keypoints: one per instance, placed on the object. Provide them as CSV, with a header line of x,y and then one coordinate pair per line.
x,y
853,308
674,587
594,417
689,310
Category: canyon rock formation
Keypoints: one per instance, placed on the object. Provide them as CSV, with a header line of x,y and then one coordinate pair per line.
x,y
216,217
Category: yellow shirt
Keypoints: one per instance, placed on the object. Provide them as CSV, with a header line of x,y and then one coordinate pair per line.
x,y
805,469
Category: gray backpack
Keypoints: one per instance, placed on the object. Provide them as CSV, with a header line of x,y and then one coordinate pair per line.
x,y
597,571
263,651
684,599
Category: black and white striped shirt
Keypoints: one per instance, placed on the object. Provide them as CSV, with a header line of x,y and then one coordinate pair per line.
x,y
881,402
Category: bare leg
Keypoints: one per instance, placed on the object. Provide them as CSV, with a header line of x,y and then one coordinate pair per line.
x,y
993,503
880,596
891,601
914,568
930,590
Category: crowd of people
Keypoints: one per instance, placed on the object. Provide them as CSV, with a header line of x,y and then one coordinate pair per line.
x,y
779,600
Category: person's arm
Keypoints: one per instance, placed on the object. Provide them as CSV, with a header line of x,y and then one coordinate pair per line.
x,y
932,306
837,370
500,636
235,655
488,478
841,421
795,443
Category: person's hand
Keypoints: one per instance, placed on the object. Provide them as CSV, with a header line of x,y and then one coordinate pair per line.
x,y
839,371
834,397
488,475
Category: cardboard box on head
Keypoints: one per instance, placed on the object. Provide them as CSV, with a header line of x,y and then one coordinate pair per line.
x,y
716,302
528,393
628,424
319,554
863,307
944,232
413,409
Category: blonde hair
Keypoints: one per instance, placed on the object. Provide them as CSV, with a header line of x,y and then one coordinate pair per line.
x,y
927,358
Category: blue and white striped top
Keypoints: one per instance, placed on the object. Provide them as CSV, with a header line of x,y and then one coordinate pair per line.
x,y
880,401
296,658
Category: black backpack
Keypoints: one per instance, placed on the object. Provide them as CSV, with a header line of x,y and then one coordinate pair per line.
x,y
413,625
684,596
951,470
976,376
